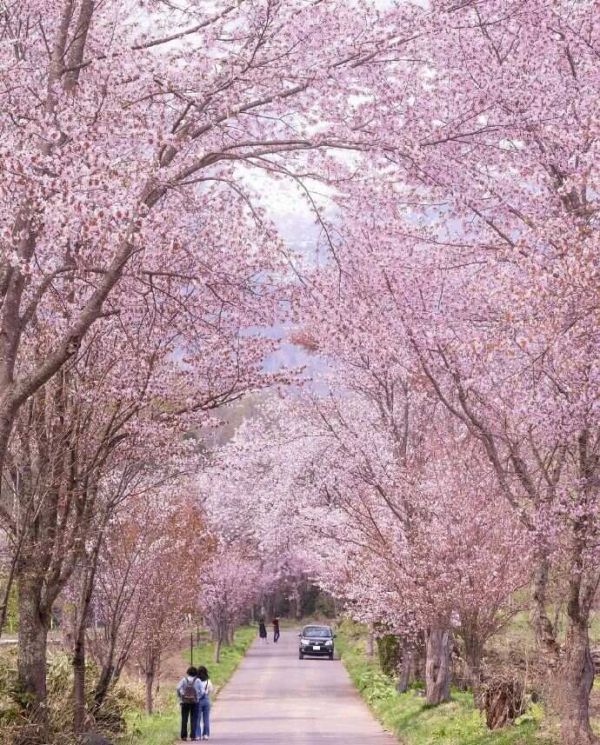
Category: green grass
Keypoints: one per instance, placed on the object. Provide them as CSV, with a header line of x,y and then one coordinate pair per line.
x,y
162,727
414,723
230,655
156,729
518,631
595,629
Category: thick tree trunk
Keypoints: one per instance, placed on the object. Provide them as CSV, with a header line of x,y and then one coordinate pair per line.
x,y
217,655
576,671
542,625
292,608
104,681
7,416
33,640
296,603
150,691
437,666
577,674
81,617
576,677
79,684
406,667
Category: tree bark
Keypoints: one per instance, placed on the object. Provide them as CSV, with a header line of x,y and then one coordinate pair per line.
x,y
437,666
150,690
406,666
473,655
104,681
542,625
81,617
217,656
79,683
296,603
114,660
33,641
576,670
577,678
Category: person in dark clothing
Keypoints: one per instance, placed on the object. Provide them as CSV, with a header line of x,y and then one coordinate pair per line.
x,y
262,629
189,693
275,629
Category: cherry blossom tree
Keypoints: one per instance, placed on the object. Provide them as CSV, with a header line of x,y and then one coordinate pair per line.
x,y
230,585
148,579
129,132
126,403
463,278
172,585
78,592
401,538
118,599
472,358
430,545
476,258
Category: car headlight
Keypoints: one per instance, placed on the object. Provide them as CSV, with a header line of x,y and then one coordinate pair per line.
x,y
304,641
328,643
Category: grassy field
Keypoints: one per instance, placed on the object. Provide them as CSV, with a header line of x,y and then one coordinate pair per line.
x,y
406,715
162,727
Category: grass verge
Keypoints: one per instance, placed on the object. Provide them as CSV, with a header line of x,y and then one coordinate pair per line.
x,y
231,655
161,728
413,722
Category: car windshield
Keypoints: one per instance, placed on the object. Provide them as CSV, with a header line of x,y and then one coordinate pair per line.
x,y
316,631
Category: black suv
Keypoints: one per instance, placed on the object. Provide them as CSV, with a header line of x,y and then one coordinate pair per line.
x,y
316,640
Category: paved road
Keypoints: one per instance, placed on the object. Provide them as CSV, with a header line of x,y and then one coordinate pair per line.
x,y
276,699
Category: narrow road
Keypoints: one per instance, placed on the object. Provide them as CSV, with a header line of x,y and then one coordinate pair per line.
x,y
276,699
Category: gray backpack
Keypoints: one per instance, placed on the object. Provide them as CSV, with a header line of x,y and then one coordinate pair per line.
x,y
189,693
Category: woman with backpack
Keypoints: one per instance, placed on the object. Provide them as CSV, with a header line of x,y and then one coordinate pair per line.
x,y
189,692
203,728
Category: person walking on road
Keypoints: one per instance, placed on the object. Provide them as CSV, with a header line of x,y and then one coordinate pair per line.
x,y
262,629
203,729
275,629
189,693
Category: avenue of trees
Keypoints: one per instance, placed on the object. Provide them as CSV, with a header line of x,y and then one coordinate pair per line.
x,y
448,457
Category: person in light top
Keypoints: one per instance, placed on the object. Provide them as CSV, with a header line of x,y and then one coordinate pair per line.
x,y
203,728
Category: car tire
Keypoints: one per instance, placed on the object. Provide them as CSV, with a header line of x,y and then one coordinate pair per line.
x,y
331,656
300,656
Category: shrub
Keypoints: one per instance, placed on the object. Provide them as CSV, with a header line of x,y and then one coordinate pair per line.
x,y
16,727
390,653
